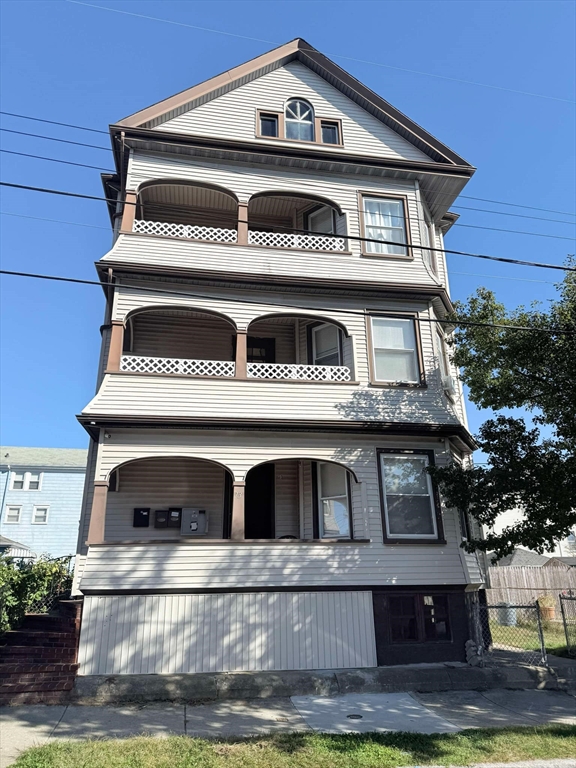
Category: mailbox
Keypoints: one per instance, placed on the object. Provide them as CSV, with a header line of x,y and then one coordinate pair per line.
x,y
174,517
194,522
161,518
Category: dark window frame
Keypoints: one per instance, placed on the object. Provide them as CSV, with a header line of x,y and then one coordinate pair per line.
x,y
439,539
332,124
269,116
420,615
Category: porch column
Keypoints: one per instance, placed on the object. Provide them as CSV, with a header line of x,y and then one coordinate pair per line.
x,y
241,354
242,223
238,496
128,212
98,513
116,344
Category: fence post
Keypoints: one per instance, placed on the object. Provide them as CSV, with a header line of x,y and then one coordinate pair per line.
x,y
541,635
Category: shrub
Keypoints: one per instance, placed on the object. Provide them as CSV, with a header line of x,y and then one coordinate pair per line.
x,y
26,585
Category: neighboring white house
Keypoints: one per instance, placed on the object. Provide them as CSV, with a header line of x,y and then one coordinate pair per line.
x,y
40,499
563,548
273,385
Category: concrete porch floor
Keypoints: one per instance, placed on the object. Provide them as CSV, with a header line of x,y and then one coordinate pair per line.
x,y
27,726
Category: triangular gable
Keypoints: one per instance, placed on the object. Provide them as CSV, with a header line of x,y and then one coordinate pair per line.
x,y
296,50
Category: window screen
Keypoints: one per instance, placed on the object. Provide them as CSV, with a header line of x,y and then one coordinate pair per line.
x,y
321,220
326,345
334,504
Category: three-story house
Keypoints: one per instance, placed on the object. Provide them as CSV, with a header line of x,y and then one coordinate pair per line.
x,y
273,384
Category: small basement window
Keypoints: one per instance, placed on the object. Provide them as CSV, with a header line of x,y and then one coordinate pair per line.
x,y
268,125
330,132
419,618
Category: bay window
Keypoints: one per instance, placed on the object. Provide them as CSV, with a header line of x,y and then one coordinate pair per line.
x,y
409,505
385,220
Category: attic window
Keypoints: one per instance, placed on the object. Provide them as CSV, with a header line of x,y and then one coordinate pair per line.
x,y
330,132
299,120
268,124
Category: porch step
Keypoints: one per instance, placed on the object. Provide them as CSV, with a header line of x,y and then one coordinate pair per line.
x,y
46,623
40,638
23,654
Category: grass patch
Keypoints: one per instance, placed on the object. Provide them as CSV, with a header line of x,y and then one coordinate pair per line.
x,y
310,750
525,636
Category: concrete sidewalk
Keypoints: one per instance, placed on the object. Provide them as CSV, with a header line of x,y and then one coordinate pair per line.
x,y
26,726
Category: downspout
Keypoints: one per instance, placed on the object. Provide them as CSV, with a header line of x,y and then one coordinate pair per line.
x,y
4,492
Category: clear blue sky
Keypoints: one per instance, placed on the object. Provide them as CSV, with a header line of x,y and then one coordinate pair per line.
x,y
78,64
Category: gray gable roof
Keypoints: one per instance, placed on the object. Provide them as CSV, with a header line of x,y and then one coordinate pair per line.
x,y
8,544
524,557
19,456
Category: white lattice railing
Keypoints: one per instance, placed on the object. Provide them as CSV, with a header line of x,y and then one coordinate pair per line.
x,y
288,240
303,372
186,231
138,364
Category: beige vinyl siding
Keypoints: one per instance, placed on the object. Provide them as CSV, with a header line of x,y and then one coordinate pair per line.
x,y
180,634
160,484
88,495
233,115
282,332
212,564
246,181
175,334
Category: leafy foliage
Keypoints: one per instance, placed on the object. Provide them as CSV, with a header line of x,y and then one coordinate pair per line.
x,y
25,583
527,470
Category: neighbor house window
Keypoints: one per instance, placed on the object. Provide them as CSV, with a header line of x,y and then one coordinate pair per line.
x,y
407,496
326,345
268,125
385,220
26,481
330,132
299,118
13,515
333,502
40,515
394,351
418,618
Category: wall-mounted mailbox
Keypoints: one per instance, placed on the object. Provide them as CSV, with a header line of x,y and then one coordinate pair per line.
x,y
141,517
174,517
194,522
161,518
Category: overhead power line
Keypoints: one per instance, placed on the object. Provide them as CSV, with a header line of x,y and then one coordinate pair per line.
x,y
362,313
51,138
55,160
107,229
442,194
308,232
335,55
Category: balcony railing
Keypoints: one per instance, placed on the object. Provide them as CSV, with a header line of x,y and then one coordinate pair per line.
x,y
301,372
288,240
138,364
185,231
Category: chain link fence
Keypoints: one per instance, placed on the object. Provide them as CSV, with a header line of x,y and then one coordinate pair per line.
x,y
507,634
568,610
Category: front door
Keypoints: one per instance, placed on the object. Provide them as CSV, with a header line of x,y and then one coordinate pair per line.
x,y
259,503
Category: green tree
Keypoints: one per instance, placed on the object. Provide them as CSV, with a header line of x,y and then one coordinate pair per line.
x,y
531,467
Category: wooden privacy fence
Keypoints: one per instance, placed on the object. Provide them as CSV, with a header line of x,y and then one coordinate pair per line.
x,y
522,585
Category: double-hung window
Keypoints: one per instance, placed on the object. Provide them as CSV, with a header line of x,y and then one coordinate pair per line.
x,y
333,501
326,345
409,507
40,515
394,350
26,481
385,221
12,515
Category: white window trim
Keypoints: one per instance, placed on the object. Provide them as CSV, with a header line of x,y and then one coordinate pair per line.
x,y
40,506
417,380
317,212
318,328
12,506
311,122
26,478
330,498
430,496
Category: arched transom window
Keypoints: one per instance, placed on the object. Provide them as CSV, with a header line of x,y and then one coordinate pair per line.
x,y
299,120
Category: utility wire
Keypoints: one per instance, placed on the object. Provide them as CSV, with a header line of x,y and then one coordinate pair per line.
x,y
53,122
51,138
308,232
55,160
335,55
107,229
424,189
449,322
